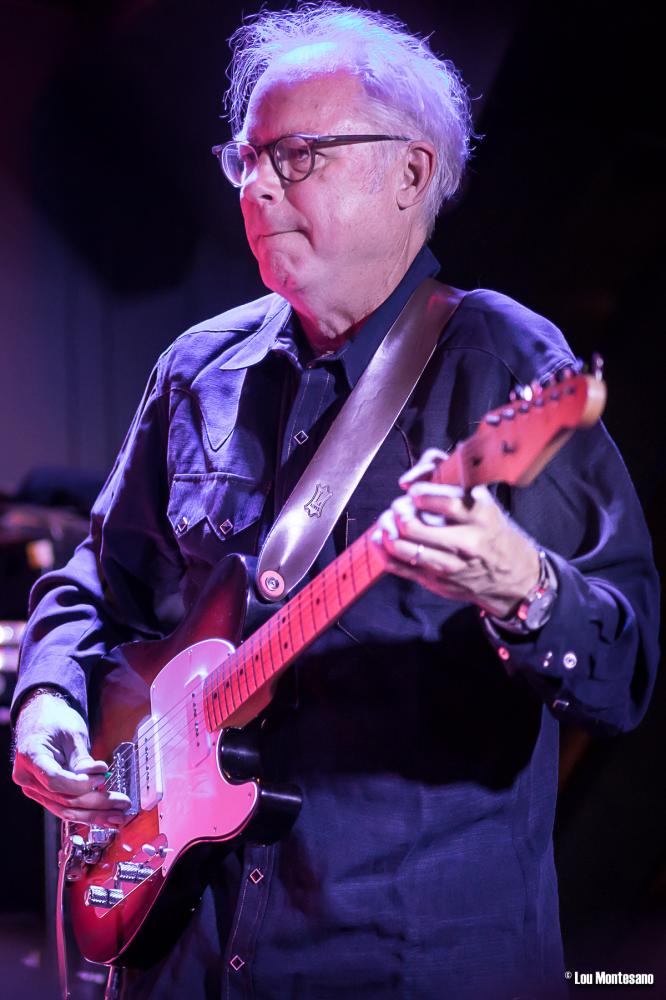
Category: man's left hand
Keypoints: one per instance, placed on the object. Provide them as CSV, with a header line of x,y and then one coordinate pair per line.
x,y
460,545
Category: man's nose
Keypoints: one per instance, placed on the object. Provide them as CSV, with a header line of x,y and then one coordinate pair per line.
x,y
263,184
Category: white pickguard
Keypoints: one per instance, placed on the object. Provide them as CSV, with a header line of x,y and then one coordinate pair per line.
x,y
194,800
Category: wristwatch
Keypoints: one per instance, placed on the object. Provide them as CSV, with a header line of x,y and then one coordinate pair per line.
x,y
535,608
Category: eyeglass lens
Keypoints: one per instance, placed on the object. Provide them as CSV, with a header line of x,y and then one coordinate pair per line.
x,y
292,159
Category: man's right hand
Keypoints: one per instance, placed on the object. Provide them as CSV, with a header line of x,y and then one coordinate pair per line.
x,y
53,765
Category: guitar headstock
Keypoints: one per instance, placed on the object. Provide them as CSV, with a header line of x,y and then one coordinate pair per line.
x,y
514,442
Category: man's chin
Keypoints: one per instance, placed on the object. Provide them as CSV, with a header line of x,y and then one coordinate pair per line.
x,y
280,275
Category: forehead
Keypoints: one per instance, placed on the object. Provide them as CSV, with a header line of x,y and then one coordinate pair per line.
x,y
302,99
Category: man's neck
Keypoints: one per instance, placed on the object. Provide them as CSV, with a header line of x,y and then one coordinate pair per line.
x,y
330,318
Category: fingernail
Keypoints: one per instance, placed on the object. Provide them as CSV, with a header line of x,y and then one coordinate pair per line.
x,y
436,490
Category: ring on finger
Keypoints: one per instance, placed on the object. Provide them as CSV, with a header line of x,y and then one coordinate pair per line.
x,y
416,558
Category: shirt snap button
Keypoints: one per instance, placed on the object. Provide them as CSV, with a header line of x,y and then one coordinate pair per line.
x,y
182,525
256,876
236,963
569,660
226,526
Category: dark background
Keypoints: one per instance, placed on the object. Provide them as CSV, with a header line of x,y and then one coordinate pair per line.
x,y
117,232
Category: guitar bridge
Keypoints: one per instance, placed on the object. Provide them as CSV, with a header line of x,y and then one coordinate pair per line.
x,y
124,776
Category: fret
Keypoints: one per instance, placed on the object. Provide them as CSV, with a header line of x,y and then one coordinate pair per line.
x,y
289,616
322,594
284,637
336,577
273,646
295,611
248,659
243,671
227,679
209,706
311,605
257,661
223,688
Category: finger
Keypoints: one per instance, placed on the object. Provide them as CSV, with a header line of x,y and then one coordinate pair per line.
x,y
46,770
85,764
462,540
423,560
99,800
424,468
454,503
87,816
443,587
421,524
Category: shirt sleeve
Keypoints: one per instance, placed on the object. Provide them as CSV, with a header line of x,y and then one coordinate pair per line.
x,y
122,583
595,660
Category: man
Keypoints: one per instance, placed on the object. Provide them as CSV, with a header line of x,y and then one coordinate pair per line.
x,y
422,735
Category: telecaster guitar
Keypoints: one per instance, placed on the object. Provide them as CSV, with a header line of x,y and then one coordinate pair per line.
x,y
169,711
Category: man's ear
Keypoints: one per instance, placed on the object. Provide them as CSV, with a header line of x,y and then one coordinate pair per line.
x,y
418,167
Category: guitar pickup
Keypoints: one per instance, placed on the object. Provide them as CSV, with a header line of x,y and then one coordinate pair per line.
x,y
149,763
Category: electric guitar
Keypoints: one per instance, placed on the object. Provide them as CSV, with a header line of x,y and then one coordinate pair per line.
x,y
170,712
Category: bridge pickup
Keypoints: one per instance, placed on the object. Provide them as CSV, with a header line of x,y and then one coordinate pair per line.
x,y
149,763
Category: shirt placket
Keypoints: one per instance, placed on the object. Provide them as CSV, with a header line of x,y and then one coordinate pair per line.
x,y
314,394
258,862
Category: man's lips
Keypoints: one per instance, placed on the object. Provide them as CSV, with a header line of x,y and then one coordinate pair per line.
x,y
276,232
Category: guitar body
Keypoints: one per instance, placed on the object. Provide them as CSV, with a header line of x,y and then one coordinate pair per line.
x,y
191,790
168,714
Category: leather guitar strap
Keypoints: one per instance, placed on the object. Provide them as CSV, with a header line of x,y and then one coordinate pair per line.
x,y
353,439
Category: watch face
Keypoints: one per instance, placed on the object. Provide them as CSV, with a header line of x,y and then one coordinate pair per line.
x,y
539,610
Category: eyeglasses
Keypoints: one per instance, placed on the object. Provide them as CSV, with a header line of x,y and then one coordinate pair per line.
x,y
292,156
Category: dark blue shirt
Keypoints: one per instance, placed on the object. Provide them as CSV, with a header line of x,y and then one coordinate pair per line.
x,y
421,862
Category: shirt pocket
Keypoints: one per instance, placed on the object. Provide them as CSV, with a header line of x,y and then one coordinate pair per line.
x,y
214,512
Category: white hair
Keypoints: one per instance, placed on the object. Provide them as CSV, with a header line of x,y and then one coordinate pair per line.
x,y
410,88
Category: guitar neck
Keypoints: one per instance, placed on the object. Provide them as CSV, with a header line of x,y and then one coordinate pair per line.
x,y
511,444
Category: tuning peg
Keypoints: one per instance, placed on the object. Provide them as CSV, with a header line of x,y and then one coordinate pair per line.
x,y
597,366
563,374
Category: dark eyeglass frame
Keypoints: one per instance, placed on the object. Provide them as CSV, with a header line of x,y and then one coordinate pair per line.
x,y
313,143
